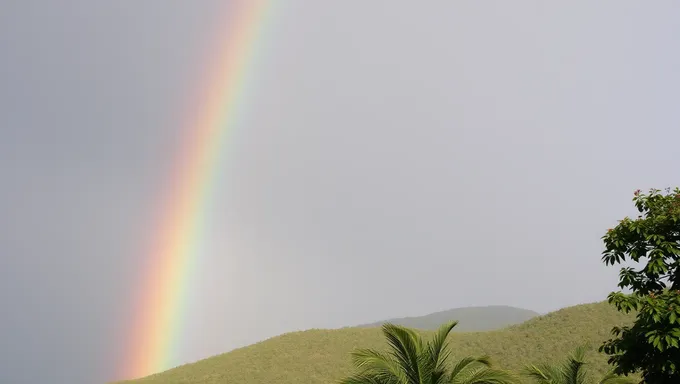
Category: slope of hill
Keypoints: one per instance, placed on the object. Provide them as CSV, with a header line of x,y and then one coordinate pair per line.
x,y
322,356
470,319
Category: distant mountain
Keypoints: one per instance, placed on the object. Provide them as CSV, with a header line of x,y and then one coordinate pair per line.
x,y
470,319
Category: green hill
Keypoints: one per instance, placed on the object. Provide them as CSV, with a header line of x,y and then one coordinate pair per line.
x,y
322,356
470,319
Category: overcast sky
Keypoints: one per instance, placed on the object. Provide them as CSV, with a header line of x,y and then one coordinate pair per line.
x,y
394,158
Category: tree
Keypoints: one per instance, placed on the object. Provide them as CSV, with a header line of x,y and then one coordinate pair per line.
x,y
651,345
411,361
571,372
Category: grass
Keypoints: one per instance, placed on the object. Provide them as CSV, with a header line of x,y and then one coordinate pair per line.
x,y
322,356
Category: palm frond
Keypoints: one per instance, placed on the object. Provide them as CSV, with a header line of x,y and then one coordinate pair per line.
x,y
579,352
485,375
438,376
378,363
573,369
437,347
466,363
405,346
544,374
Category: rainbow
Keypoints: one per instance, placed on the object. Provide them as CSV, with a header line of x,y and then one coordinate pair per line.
x,y
157,323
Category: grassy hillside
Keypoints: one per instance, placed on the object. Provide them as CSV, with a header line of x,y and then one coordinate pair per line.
x,y
322,356
470,319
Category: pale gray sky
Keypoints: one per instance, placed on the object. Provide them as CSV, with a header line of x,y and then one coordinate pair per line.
x,y
395,158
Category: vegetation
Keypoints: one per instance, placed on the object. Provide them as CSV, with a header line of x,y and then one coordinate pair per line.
x,y
572,371
411,361
470,319
323,356
652,344
645,325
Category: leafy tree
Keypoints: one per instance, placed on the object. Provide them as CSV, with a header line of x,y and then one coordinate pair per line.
x,y
571,372
652,344
409,360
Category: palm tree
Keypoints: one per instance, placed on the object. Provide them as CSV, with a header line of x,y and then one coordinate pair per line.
x,y
571,372
409,360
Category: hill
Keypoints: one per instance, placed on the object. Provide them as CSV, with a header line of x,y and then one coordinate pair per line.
x,y
322,356
470,319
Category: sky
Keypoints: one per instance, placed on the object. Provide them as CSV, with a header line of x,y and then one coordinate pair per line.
x,y
393,158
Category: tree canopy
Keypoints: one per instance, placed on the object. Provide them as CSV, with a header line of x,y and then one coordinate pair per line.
x,y
651,345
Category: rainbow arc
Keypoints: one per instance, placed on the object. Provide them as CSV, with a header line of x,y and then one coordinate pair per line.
x,y
157,328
